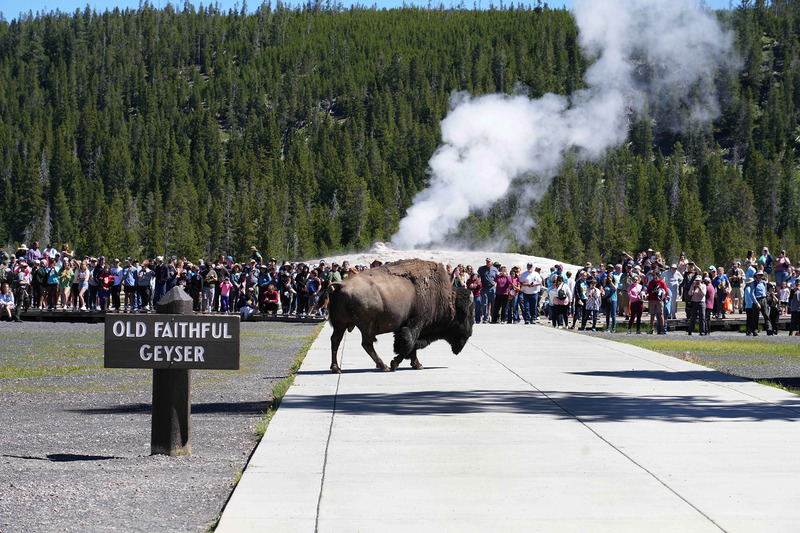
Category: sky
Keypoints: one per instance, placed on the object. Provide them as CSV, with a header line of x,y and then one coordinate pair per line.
x,y
12,8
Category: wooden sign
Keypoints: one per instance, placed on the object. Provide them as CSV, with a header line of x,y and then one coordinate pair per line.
x,y
172,341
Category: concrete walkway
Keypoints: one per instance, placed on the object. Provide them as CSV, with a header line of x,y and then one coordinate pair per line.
x,y
528,429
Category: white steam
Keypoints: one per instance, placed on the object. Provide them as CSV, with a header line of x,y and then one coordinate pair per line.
x,y
489,141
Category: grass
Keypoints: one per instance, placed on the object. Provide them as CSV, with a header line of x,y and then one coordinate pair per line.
x,y
770,383
9,371
721,347
726,354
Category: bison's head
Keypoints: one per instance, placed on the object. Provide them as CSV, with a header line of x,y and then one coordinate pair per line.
x,y
464,319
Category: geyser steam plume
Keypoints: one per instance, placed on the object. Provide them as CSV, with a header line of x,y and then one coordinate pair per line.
x,y
491,140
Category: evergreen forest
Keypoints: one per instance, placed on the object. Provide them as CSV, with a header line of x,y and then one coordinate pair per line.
x,y
306,130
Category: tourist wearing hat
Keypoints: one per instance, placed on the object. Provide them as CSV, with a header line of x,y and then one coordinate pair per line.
x,y
256,256
697,304
723,287
21,252
760,300
736,277
487,273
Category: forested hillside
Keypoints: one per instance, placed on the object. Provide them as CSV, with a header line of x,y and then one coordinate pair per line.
x,y
192,131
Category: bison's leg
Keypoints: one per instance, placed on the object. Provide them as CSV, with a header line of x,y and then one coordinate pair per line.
x,y
404,340
367,340
336,339
415,364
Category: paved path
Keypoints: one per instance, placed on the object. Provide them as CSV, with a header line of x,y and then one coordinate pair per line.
x,y
528,429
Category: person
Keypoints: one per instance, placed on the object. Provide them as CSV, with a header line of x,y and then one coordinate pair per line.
x,y
697,304
774,304
530,283
783,294
106,284
161,271
760,301
250,306
313,287
794,309
195,286
116,288
560,298
210,281
682,264
751,322
488,273
130,274
514,298
782,266
722,287
657,297
474,285
22,278
269,300
503,286
145,286
6,300
623,304
711,296
610,293
593,299
736,277
579,298
300,280
224,295
674,282
256,257
635,294
64,284
692,273
95,269
766,263
287,289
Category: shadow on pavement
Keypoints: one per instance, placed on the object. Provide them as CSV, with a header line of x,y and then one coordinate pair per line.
x,y
586,406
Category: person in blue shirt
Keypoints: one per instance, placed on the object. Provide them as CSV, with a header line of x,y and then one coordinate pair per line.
x,y
610,293
760,301
722,286
750,309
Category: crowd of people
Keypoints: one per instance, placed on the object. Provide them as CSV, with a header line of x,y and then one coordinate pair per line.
x,y
51,279
760,286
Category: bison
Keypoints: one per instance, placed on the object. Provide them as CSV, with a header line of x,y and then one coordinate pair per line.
x,y
412,298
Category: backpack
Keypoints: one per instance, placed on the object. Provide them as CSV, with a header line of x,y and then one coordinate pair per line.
x,y
562,294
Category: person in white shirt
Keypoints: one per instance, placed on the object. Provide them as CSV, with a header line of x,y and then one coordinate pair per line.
x,y
531,283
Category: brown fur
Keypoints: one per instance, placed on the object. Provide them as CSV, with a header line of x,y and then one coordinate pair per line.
x,y
412,298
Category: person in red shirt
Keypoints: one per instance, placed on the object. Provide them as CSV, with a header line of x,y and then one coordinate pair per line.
x,y
269,300
657,296
106,284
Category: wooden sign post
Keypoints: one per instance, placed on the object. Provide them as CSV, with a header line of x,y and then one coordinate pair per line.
x,y
172,343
